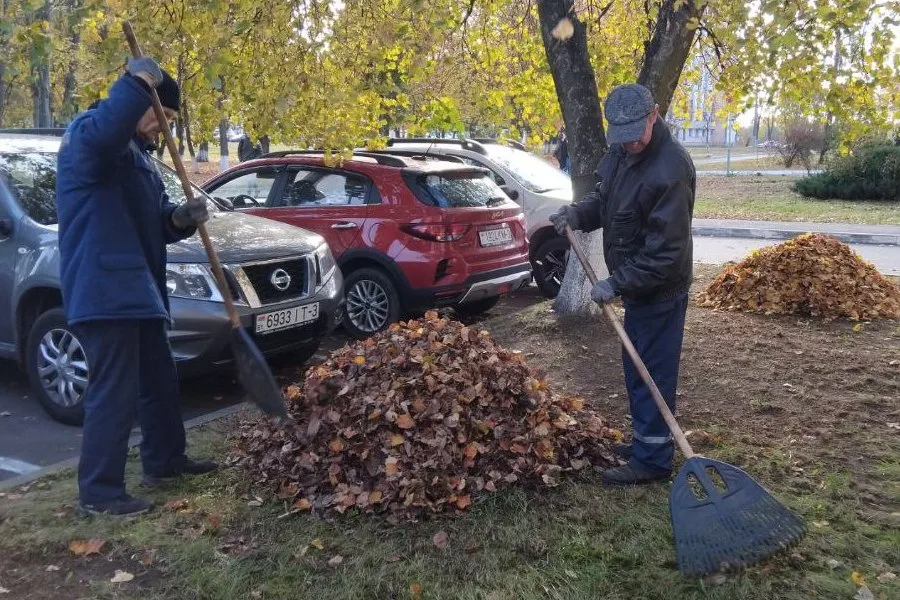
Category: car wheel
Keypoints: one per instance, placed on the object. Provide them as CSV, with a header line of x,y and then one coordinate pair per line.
x,y
57,367
476,308
549,265
372,302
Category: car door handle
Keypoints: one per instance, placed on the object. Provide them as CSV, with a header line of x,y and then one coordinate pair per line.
x,y
344,225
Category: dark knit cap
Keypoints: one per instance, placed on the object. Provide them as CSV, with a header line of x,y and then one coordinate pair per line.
x,y
169,92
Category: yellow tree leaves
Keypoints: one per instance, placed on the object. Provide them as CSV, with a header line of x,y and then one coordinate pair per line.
x,y
439,414
813,275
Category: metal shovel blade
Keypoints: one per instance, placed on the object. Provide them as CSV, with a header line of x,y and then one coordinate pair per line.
x,y
255,376
721,529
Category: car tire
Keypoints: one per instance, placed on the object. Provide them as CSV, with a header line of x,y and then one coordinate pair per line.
x,y
51,338
549,265
372,302
476,308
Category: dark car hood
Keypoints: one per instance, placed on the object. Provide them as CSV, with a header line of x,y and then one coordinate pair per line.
x,y
241,238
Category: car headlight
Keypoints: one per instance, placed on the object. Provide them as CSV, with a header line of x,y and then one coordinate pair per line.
x,y
191,281
325,262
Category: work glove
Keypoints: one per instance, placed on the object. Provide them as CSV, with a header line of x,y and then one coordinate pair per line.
x,y
146,69
190,214
567,215
603,292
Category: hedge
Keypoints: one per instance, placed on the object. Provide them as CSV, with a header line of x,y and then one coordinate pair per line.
x,y
870,173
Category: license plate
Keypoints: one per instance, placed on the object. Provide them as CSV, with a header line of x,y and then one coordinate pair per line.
x,y
287,318
495,237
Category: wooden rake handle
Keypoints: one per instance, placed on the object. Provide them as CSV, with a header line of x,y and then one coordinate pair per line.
x,y
211,253
677,433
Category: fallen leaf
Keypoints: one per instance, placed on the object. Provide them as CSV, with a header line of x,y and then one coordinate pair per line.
x,y
820,524
3,590
395,558
858,578
52,568
832,563
405,421
563,30
302,504
441,539
121,577
463,501
415,591
214,520
318,544
177,504
86,547
360,360
857,328
256,502
396,440
885,577
336,560
146,558
375,497
336,445
864,593
390,466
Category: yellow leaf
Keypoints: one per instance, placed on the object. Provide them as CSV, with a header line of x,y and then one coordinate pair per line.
x,y
303,504
375,497
360,360
121,577
390,466
857,328
318,544
396,440
463,501
405,421
858,578
336,445
86,547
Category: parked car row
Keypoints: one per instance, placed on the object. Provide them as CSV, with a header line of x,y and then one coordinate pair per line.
x,y
307,246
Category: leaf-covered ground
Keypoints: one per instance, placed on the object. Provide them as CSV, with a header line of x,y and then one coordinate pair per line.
x,y
808,408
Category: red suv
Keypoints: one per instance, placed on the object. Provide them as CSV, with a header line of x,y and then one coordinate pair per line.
x,y
409,233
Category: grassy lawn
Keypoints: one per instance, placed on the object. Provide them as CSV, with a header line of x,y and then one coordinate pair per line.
x,y
822,446
740,163
771,198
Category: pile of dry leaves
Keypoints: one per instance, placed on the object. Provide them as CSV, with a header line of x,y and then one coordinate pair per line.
x,y
812,274
419,418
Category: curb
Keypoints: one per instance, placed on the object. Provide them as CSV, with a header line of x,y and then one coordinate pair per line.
x,y
134,440
878,239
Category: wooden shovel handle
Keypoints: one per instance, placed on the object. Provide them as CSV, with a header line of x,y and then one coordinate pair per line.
x,y
211,253
677,433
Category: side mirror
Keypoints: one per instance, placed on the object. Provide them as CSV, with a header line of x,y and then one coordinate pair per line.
x,y
513,194
6,227
228,204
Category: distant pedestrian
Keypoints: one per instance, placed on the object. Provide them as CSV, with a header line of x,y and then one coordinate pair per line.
x,y
562,151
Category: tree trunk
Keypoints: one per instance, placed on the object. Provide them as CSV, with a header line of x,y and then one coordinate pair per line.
x,y
579,101
576,89
40,78
264,143
69,108
3,92
830,129
203,152
668,50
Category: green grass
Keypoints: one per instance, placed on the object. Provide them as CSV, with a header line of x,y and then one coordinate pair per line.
x,y
771,198
576,541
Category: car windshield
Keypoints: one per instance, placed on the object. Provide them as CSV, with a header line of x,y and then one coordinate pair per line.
x,y
32,178
532,172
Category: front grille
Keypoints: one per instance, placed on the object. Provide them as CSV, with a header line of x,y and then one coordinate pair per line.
x,y
263,278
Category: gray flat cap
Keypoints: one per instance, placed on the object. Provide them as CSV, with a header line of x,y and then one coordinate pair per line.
x,y
627,109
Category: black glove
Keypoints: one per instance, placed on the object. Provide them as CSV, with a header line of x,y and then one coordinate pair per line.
x,y
146,69
567,215
603,292
190,214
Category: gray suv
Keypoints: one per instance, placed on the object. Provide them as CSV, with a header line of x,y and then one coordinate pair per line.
x,y
284,280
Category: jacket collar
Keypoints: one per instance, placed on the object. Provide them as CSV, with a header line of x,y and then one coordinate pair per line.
x,y
657,139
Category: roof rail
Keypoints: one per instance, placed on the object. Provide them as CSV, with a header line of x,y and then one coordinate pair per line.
x,y
36,130
513,143
390,161
465,143
418,154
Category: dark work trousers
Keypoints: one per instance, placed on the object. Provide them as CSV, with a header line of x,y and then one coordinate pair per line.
x,y
656,330
132,375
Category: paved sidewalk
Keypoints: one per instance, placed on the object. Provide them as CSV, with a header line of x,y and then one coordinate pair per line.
x,y
759,172
888,235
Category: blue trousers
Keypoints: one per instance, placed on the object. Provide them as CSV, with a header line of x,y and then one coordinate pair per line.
x,y
657,331
132,375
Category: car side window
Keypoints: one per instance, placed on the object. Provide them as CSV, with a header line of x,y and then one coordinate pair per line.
x,y
249,189
32,179
471,161
312,187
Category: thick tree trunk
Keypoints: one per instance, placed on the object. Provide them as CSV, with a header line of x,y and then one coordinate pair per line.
x,y
69,108
579,101
40,79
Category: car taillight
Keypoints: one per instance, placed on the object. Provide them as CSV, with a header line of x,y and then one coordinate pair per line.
x,y
437,232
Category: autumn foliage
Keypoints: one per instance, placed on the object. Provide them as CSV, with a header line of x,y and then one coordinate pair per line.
x,y
420,418
813,275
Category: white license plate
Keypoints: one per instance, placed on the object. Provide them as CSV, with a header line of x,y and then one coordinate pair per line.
x,y
495,237
287,318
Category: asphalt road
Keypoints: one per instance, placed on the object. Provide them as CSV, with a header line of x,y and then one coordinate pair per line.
x,y
30,440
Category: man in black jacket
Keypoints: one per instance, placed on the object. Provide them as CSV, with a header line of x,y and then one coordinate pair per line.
x,y
644,201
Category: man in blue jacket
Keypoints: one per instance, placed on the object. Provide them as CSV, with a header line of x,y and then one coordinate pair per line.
x,y
115,220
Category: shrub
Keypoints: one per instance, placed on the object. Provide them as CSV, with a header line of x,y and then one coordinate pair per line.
x,y
801,138
870,173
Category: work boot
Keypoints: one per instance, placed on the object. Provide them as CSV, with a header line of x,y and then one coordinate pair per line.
x,y
623,450
634,473
126,506
190,467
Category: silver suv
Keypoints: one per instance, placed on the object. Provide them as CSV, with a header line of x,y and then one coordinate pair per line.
x,y
284,280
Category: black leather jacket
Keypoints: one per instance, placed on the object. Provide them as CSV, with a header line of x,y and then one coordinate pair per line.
x,y
644,203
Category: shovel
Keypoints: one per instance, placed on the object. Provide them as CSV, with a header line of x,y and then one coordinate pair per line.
x,y
252,370
729,524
